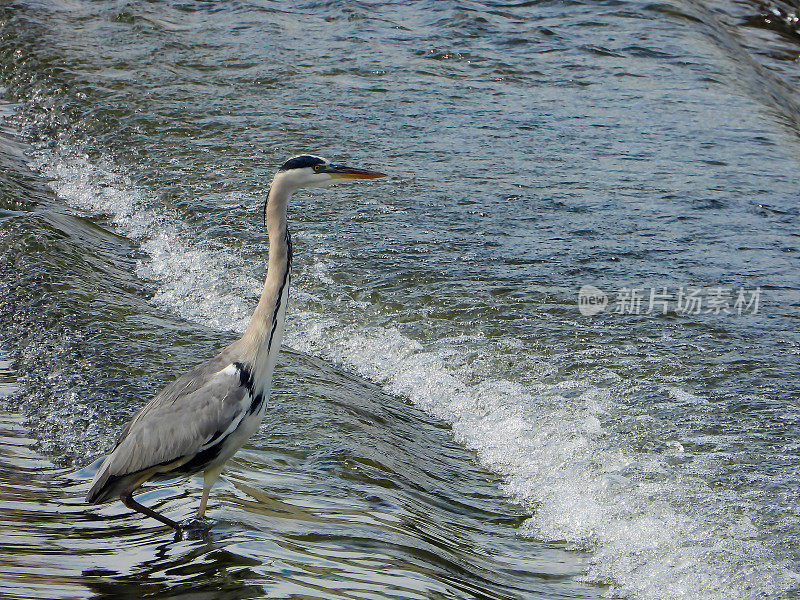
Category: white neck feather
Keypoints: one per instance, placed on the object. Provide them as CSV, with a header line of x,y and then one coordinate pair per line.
x,y
262,339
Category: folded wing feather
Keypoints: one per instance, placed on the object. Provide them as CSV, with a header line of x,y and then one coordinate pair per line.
x,y
200,406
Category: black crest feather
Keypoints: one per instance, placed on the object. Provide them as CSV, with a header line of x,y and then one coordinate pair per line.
x,y
299,162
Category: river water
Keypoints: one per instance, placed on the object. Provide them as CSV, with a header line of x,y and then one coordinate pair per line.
x,y
446,421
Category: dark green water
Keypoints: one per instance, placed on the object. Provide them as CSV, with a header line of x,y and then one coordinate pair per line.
x,y
446,422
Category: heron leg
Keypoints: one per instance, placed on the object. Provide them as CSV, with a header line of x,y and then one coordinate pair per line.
x,y
203,502
209,478
128,501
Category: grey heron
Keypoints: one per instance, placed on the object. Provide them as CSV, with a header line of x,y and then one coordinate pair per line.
x,y
200,420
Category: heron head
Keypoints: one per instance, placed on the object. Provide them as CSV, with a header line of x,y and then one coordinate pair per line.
x,y
306,170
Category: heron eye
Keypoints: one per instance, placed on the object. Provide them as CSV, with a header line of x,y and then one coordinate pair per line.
x,y
317,168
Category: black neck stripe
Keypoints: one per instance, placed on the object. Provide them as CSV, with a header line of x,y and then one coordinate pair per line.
x,y
284,283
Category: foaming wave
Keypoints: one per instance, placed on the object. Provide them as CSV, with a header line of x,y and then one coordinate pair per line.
x,y
655,532
182,265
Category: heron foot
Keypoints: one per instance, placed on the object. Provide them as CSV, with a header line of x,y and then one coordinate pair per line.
x,y
196,523
196,527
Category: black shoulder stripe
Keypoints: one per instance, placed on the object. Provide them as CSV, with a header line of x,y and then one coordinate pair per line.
x,y
255,404
245,376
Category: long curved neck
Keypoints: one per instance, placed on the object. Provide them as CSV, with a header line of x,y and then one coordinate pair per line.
x,y
262,339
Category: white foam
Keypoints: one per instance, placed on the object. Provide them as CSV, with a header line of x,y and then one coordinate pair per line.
x,y
655,531
183,266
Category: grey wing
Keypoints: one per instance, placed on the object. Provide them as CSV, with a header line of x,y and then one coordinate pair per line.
x,y
172,432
